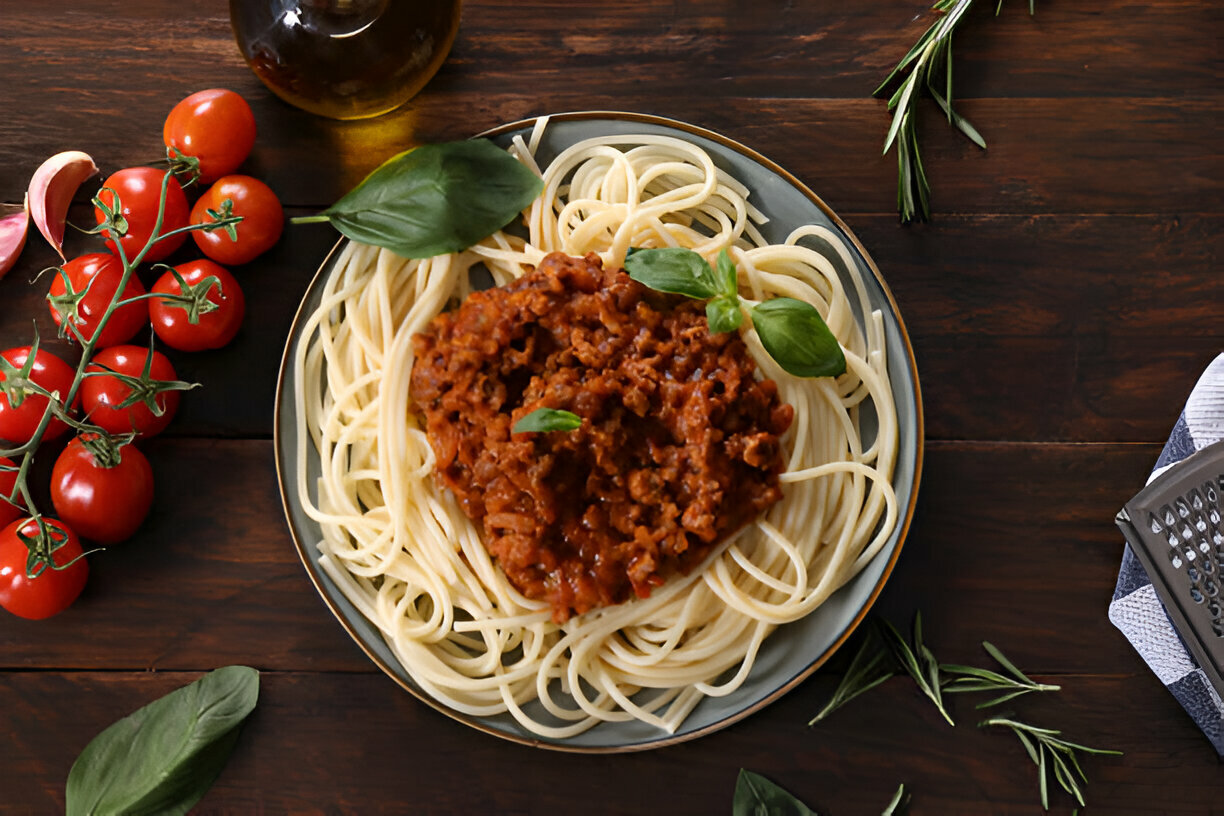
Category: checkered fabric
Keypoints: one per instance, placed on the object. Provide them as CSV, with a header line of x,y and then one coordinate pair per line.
x,y
1136,609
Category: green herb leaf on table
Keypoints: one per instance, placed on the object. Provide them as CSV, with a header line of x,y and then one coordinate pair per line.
x,y
1048,750
872,665
898,803
971,678
796,336
918,661
928,64
675,270
435,199
757,796
547,419
163,758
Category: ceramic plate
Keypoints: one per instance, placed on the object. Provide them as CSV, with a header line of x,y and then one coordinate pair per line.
x,y
795,650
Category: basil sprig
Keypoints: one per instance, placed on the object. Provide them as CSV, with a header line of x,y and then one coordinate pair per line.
x,y
163,758
547,419
434,199
757,796
792,332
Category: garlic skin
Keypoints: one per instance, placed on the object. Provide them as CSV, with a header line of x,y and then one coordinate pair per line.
x,y
13,229
51,190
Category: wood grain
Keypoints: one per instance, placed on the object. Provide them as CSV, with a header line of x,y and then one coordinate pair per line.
x,y
326,743
1022,536
1061,306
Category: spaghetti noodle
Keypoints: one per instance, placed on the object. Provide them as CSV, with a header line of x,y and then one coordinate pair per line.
x,y
403,552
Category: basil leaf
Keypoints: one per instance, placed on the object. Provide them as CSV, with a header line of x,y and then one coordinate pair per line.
x,y
676,270
727,276
724,314
757,796
162,758
436,199
796,337
547,419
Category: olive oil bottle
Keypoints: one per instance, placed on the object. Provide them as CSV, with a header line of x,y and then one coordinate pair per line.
x,y
346,59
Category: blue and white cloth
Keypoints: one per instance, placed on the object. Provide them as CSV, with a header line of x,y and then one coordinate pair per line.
x,y
1136,609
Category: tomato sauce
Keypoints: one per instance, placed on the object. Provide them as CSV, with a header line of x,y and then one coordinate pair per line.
x,y
679,443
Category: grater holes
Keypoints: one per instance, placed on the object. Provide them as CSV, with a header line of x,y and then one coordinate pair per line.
x,y
1155,525
1211,588
1183,509
1214,608
1200,524
1204,546
1196,595
1213,516
1176,559
1208,563
1166,513
1186,532
1210,491
1196,500
1193,574
1217,626
1173,539
1189,554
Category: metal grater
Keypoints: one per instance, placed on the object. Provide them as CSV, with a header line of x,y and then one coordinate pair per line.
x,y
1175,527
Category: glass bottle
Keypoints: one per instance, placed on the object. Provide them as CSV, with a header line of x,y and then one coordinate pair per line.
x,y
346,59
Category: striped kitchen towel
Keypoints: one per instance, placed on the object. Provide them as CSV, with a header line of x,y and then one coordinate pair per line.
x,y
1136,609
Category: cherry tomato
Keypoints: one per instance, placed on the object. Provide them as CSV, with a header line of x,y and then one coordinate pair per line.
x,y
103,504
17,425
107,269
8,480
139,191
260,228
52,591
215,126
102,394
215,328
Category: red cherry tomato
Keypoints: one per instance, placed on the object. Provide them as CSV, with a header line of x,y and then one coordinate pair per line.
x,y
103,504
17,425
215,126
124,322
260,228
139,190
215,328
102,394
51,591
8,480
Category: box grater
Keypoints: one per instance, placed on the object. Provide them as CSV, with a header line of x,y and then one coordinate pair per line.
x,y
1174,527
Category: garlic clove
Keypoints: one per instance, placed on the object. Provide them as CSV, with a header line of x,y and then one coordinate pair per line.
x,y
13,229
51,190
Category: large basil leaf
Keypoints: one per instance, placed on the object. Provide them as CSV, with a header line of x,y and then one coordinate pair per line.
x,y
676,270
436,199
757,796
162,758
728,276
795,335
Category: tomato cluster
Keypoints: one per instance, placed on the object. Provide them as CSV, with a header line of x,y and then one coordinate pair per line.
x,y
102,484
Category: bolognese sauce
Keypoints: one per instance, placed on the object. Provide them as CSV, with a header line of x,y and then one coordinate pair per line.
x,y
678,447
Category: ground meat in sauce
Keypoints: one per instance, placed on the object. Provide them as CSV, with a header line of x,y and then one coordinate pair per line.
x,y
678,446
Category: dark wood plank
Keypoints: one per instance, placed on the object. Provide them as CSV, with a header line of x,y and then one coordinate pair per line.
x,y
1105,322
1021,536
1047,154
357,744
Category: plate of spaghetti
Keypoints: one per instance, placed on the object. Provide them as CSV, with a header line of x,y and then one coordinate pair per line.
x,y
709,529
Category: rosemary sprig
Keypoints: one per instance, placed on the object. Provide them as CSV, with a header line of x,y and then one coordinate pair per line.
x,y
927,65
872,665
971,678
917,661
1048,750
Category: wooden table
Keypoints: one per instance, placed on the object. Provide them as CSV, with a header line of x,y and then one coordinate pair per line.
x,y
1062,303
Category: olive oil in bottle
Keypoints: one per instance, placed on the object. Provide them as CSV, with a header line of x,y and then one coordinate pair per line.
x,y
346,59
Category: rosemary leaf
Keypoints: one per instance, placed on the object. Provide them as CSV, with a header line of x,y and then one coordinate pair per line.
x,y
870,667
1040,742
900,800
924,670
